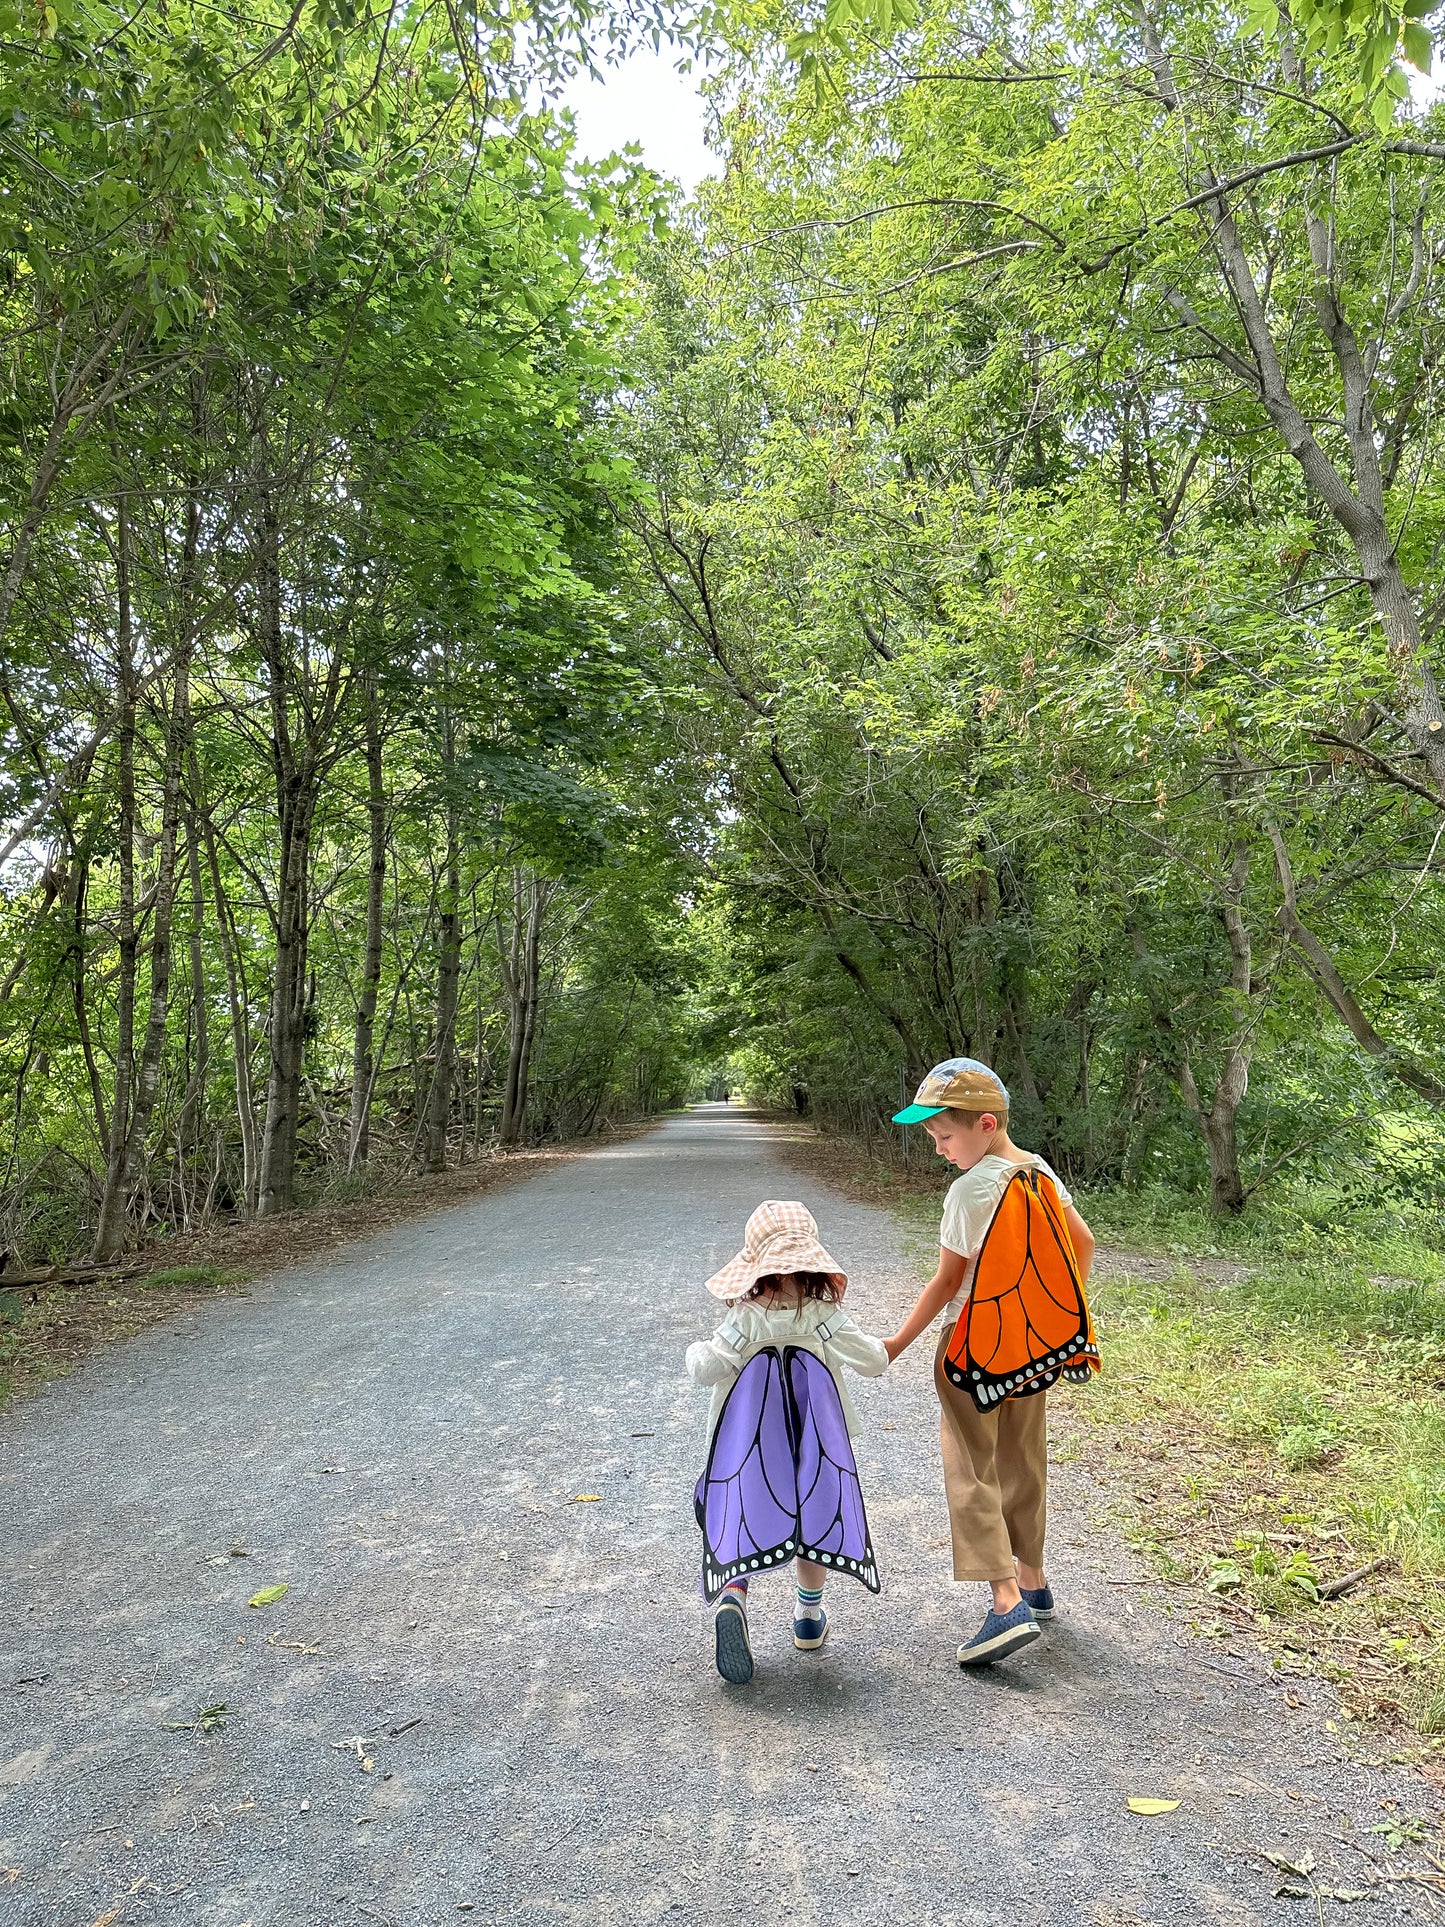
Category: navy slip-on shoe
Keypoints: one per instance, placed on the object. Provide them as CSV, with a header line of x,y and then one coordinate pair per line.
x,y
734,1648
999,1635
809,1634
1039,1603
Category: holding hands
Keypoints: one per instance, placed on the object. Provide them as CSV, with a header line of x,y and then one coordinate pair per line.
x,y
945,1285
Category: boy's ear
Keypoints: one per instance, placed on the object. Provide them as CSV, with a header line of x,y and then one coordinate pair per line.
x,y
987,1121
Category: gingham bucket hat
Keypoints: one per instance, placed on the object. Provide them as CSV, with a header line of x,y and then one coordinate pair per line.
x,y
781,1236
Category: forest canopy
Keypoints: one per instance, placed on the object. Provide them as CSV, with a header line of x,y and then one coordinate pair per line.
x,y
1044,474
491,648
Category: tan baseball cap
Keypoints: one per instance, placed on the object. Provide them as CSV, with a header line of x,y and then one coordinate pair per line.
x,y
958,1084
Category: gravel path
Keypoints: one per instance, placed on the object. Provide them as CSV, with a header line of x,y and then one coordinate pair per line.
x,y
483,1698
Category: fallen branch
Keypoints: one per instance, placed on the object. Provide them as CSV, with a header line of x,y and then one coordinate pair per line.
x,y
1348,1581
69,1275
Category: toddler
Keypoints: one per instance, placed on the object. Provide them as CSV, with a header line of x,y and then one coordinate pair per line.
x,y
780,1482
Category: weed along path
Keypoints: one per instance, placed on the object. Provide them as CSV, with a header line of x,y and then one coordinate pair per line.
x,y
466,1449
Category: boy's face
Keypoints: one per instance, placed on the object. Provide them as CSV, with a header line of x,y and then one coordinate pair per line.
x,y
962,1137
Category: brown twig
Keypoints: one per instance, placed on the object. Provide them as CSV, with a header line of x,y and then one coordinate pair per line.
x,y
1348,1581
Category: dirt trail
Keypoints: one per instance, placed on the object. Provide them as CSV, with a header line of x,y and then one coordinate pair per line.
x,y
485,1695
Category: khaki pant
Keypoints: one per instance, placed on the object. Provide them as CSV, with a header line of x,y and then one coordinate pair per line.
x,y
995,1475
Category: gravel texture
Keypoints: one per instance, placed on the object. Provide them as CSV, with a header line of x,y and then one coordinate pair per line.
x,y
484,1696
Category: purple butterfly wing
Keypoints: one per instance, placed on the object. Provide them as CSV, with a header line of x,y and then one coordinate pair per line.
x,y
747,1499
832,1525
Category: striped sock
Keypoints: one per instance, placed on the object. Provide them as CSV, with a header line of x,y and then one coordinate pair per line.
x,y
810,1604
736,1589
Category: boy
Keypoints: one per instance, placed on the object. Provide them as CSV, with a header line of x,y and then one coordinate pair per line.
x,y
995,1464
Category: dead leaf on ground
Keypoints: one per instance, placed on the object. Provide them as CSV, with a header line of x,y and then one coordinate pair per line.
x,y
210,1719
108,1920
586,1498
1138,1804
1303,1867
268,1595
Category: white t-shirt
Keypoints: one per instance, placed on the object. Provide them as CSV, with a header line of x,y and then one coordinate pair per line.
x,y
968,1210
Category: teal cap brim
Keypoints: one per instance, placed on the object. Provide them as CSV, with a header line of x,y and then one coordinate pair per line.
x,y
916,1113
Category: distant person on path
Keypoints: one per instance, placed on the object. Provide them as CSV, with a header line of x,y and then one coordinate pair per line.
x,y
780,1483
1013,1260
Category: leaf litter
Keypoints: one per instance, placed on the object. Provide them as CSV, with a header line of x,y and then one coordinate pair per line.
x,y
210,1719
1302,1868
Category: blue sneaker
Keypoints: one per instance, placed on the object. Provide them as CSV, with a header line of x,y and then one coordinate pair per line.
x,y
1040,1603
999,1635
734,1648
809,1634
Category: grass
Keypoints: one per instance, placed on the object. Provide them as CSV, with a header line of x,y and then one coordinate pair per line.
x,y
1308,1223
186,1278
1273,1422
1283,1430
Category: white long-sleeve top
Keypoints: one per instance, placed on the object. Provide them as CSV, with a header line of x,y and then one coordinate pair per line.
x,y
824,1330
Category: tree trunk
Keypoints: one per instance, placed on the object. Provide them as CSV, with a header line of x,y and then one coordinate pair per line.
x,y
531,961
296,779
1216,1121
189,1128
482,1080
1359,510
519,961
70,408
363,1059
237,999
287,1027
1337,993
128,1137
449,965
79,885
193,1105
106,1228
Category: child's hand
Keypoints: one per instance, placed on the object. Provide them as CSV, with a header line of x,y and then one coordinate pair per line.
x,y
944,1285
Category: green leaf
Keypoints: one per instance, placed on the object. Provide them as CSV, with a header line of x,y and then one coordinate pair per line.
x,y
1224,1576
1417,44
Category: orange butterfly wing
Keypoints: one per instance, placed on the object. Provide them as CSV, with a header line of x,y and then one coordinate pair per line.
x,y
1026,1323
